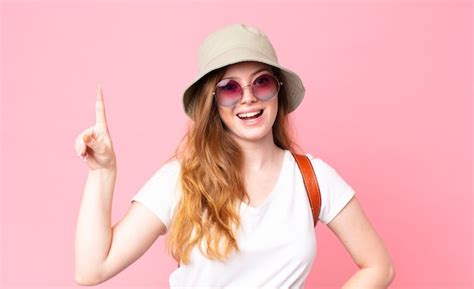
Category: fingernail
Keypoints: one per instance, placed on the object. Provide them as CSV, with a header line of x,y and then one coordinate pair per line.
x,y
99,90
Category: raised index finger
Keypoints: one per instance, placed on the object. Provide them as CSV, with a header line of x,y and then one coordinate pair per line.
x,y
100,109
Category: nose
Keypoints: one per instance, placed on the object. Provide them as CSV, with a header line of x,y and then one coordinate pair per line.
x,y
247,95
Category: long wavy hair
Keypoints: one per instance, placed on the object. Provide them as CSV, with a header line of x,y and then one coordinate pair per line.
x,y
211,176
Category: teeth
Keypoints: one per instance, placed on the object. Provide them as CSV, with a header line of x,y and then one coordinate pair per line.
x,y
248,114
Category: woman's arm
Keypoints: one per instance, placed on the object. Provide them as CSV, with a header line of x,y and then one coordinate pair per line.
x,y
93,229
354,230
102,251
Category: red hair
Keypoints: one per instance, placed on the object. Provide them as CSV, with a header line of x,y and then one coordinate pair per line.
x,y
211,176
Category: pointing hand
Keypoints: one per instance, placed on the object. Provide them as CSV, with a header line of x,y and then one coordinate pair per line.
x,y
94,144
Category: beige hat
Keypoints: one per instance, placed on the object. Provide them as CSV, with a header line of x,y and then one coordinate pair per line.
x,y
236,43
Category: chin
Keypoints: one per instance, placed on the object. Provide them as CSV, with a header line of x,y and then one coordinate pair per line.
x,y
255,134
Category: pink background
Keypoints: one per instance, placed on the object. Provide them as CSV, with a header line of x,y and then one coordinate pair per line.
x,y
388,104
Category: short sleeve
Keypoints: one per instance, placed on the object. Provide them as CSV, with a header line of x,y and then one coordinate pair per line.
x,y
161,192
335,191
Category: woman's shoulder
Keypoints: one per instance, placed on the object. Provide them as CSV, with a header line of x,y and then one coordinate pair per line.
x,y
172,164
327,173
319,164
168,168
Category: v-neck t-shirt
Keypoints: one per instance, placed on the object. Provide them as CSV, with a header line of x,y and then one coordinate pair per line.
x,y
277,239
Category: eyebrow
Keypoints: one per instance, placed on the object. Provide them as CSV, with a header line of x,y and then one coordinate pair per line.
x,y
255,72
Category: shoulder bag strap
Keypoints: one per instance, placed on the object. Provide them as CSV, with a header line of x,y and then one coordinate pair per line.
x,y
310,183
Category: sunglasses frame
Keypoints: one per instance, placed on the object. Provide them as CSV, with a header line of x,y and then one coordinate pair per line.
x,y
280,84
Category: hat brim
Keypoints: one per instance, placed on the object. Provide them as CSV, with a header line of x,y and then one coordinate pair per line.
x,y
293,84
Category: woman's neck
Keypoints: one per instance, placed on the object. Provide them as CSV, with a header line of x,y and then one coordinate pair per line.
x,y
259,154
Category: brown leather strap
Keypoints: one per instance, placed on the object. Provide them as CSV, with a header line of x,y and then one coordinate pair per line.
x,y
311,184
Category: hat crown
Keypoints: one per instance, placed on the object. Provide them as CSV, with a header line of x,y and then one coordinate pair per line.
x,y
231,37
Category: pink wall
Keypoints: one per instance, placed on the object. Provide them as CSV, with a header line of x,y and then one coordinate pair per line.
x,y
388,104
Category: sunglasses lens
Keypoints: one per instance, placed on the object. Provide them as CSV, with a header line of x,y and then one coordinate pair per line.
x,y
228,92
265,87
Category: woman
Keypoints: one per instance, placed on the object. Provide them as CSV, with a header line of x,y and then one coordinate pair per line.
x,y
232,200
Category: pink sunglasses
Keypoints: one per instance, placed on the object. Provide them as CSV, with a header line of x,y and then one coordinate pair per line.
x,y
229,92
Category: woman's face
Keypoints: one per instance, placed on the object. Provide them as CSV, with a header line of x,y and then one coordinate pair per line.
x,y
251,128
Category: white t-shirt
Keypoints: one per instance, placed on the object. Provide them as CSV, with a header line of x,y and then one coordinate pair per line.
x,y
277,239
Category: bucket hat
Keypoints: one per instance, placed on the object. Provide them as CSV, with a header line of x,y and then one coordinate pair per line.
x,y
236,43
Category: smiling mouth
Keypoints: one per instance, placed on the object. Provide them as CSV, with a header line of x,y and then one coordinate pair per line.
x,y
248,116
